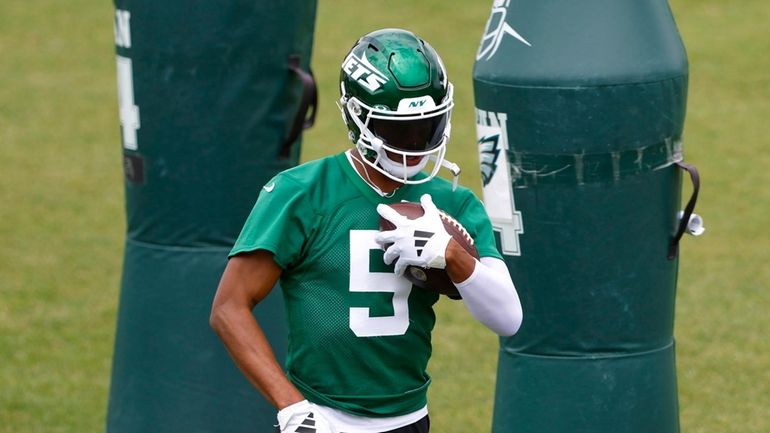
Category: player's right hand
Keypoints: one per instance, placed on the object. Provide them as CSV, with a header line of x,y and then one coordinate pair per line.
x,y
420,242
302,417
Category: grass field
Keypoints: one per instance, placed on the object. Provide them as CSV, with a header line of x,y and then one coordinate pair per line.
x,y
62,222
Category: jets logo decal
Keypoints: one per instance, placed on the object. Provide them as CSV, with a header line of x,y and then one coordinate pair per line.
x,y
359,69
489,150
496,30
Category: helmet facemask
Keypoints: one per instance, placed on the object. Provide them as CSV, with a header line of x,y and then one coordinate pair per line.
x,y
392,140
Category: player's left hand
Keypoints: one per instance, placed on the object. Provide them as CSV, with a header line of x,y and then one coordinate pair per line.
x,y
419,242
303,417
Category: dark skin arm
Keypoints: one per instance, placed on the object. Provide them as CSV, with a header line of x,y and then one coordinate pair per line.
x,y
459,264
247,279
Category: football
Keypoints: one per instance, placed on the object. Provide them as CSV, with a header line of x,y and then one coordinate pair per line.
x,y
436,280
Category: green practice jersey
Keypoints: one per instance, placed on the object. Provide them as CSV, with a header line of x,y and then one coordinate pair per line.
x,y
359,336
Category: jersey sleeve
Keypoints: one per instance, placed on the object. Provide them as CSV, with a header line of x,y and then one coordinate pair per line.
x,y
474,218
281,222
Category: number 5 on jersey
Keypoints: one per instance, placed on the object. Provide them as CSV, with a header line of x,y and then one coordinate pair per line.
x,y
363,280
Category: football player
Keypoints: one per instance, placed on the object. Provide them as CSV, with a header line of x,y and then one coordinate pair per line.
x,y
359,332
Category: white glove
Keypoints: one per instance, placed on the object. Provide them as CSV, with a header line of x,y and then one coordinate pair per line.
x,y
302,417
419,242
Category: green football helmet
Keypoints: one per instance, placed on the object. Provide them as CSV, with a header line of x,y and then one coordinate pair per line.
x,y
396,101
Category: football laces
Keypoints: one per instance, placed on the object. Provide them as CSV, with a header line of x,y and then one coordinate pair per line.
x,y
448,218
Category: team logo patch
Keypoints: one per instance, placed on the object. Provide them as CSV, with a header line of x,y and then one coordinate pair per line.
x,y
496,30
359,69
489,151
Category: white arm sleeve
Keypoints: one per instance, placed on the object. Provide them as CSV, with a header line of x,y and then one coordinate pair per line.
x,y
491,298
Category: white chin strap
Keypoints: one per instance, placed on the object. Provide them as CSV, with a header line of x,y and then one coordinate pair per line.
x,y
454,169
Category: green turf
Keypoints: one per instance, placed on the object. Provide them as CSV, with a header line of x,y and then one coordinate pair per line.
x,y
62,223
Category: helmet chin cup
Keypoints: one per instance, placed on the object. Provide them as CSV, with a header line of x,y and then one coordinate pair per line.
x,y
401,170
